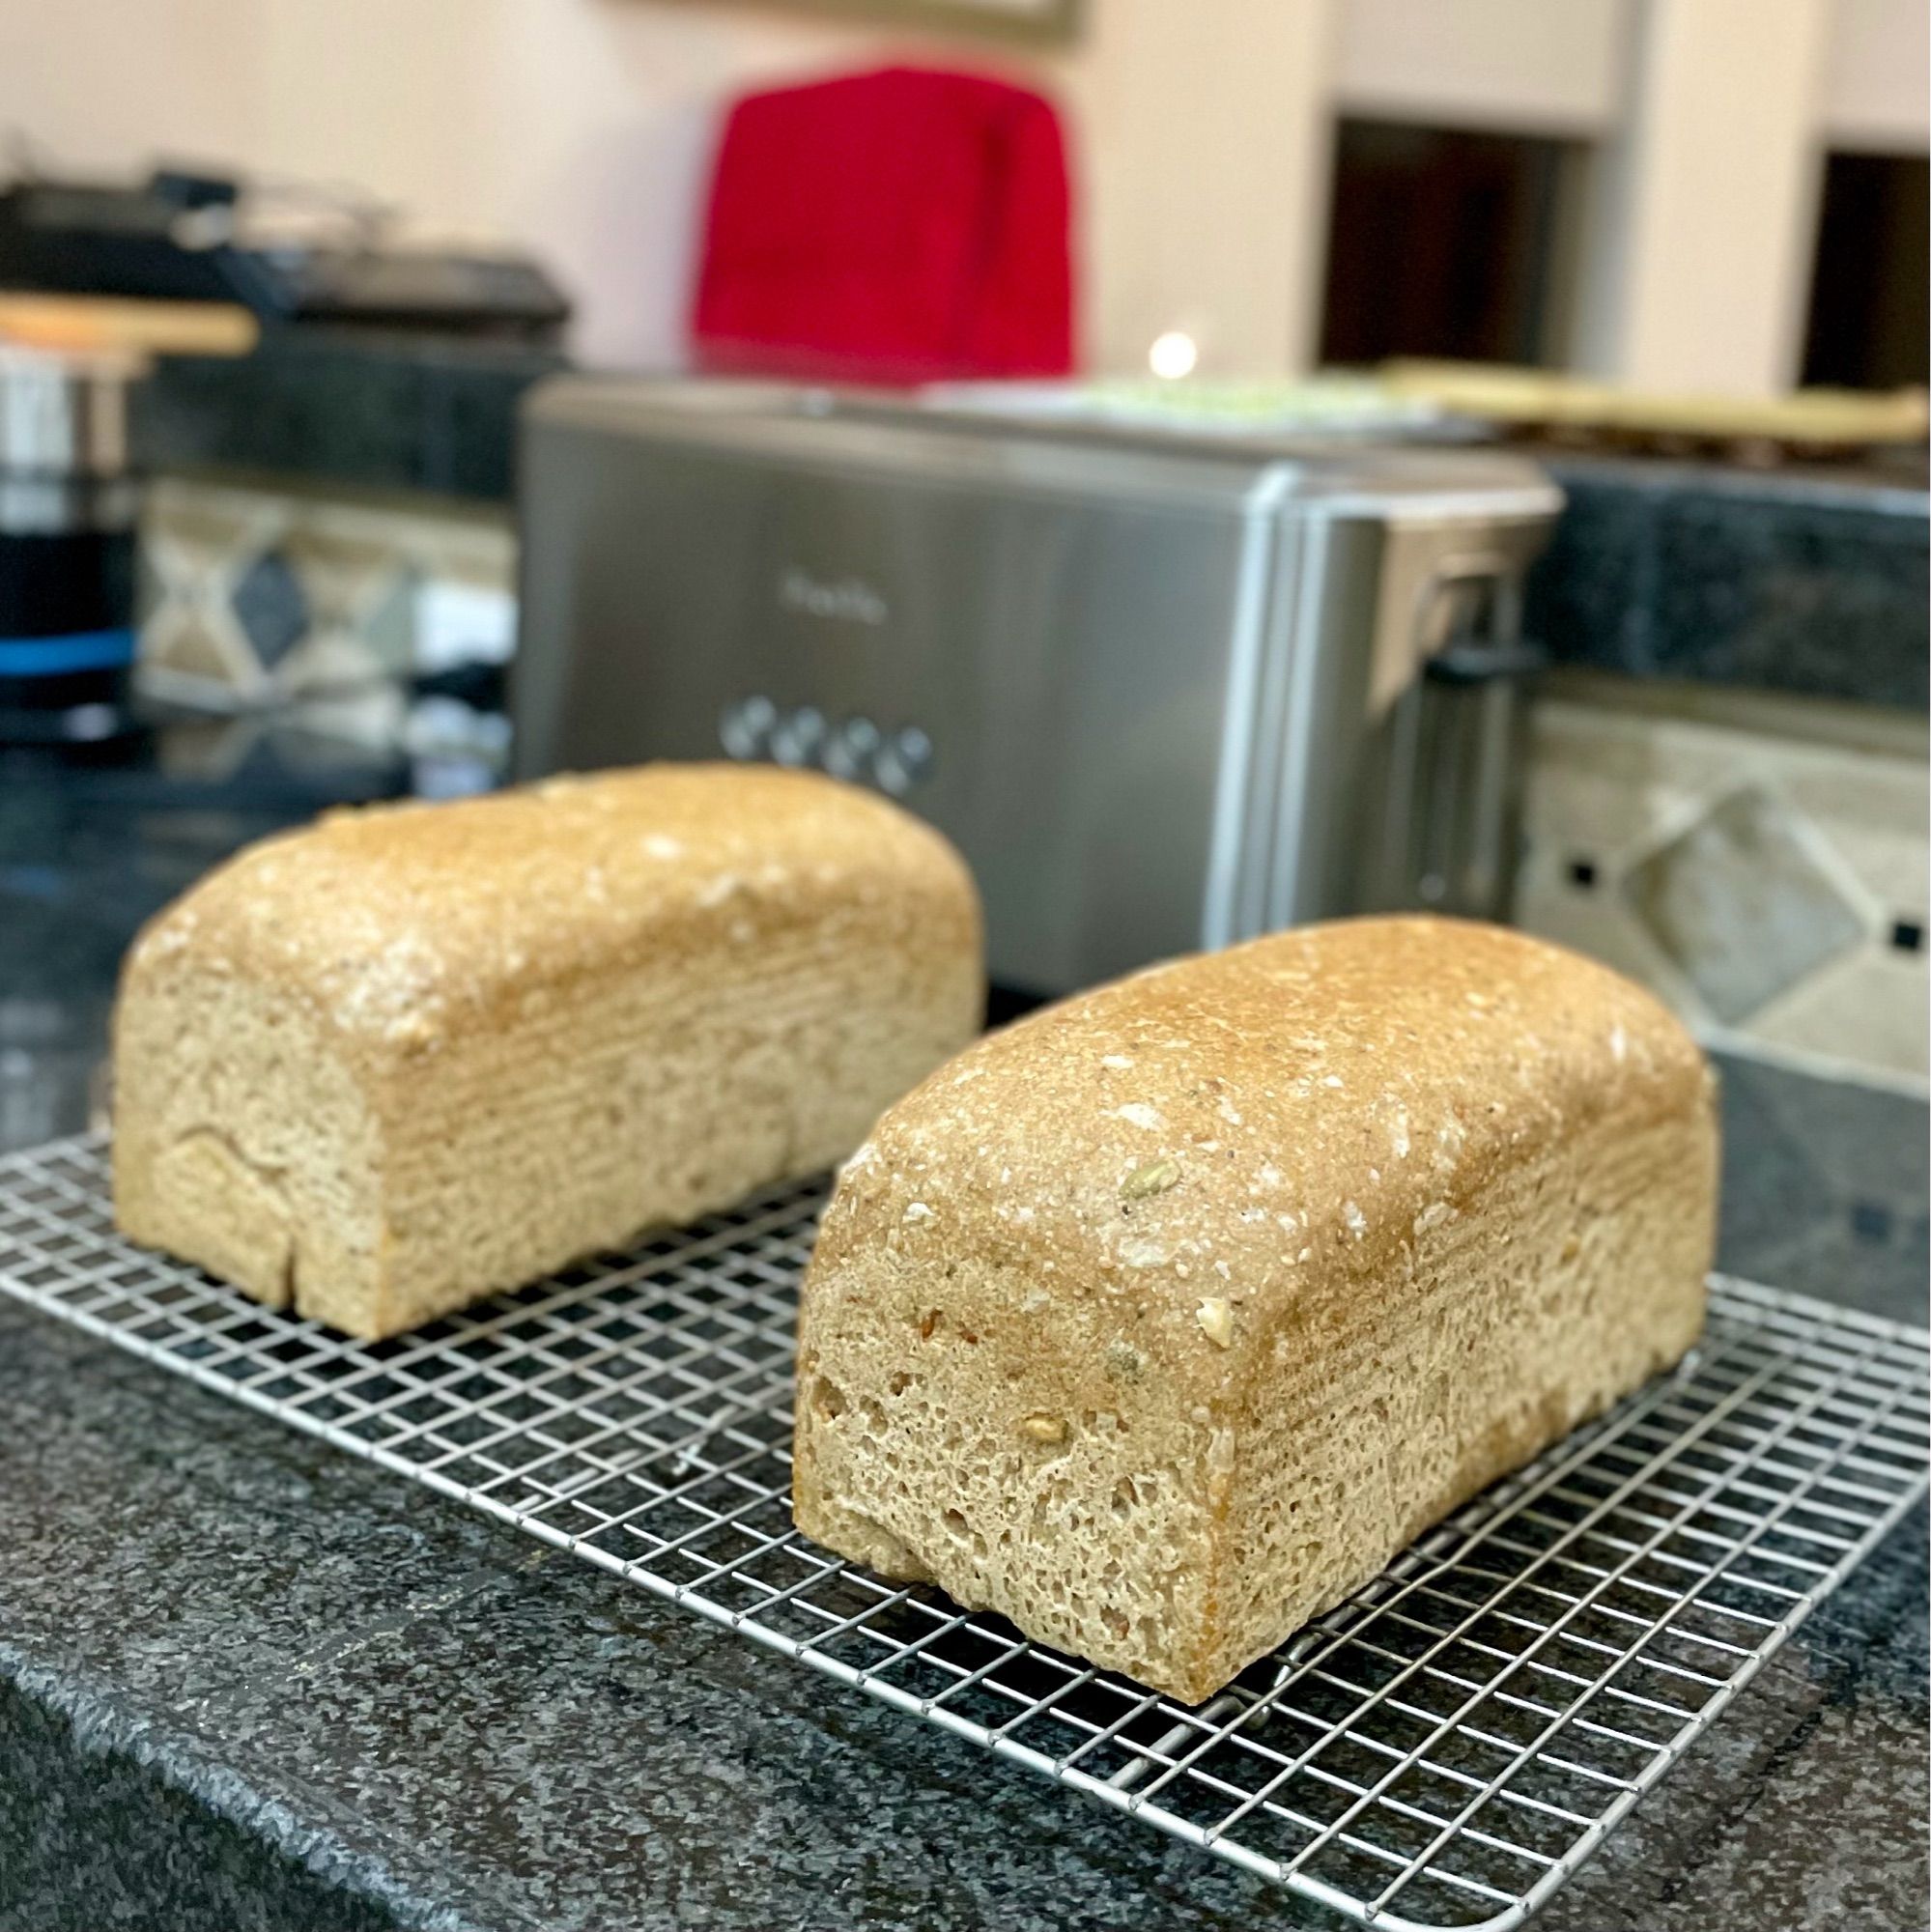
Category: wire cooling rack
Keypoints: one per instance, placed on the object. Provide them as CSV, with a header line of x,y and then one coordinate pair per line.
x,y
1444,1749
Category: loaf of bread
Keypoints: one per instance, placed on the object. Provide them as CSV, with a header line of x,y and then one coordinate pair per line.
x,y
416,1054
1159,1321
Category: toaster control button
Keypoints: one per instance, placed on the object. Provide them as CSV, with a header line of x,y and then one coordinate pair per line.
x,y
799,738
745,729
905,760
853,746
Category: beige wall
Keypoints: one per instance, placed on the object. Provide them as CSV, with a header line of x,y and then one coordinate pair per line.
x,y
101,83
1201,132
1877,85
1207,176
1708,215
1530,66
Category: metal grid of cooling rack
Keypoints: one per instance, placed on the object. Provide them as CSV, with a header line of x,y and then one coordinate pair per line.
x,y
1444,1750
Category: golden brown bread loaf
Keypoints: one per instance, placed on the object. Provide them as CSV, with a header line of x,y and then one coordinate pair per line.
x,y
1159,1321
417,1054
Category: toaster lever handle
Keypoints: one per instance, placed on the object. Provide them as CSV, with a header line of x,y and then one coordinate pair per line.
x,y
1483,660
1468,770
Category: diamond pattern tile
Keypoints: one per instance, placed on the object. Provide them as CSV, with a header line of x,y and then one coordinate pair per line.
x,y
270,607
1743,904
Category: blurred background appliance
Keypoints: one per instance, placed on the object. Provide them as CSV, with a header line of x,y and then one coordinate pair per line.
x,y
1163,691
826,257
66,545
285,251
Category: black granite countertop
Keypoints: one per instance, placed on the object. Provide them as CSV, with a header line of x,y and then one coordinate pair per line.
x,y
368,409
90,847
1809,581
1812,581
248,1682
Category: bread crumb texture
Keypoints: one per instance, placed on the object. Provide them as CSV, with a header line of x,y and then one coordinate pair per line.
x,y
1230,1278
418,1053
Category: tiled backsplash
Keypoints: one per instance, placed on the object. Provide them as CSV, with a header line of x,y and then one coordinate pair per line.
x,y
1761,863
253,596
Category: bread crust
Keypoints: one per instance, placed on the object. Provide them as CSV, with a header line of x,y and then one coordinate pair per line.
x,y
1267,1260
417,1053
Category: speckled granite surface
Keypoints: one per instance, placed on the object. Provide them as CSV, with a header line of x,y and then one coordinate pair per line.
x,y
1794,582
248,1682
88,851
365,408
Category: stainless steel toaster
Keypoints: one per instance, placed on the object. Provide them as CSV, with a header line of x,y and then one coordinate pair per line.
x,y
1164,692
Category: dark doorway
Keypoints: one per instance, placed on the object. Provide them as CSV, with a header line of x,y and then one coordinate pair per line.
x,y
1443,242
1870,320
